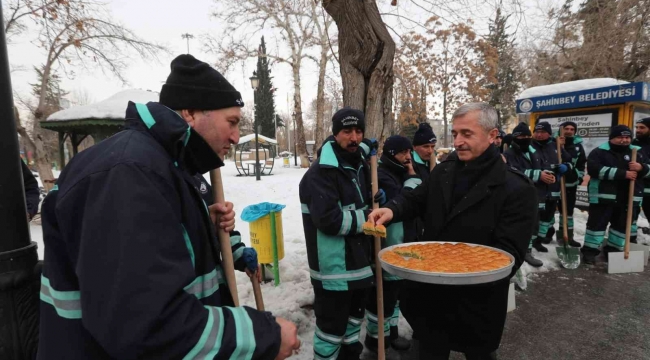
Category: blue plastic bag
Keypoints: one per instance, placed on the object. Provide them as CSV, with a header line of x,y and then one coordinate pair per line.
x,y
254,212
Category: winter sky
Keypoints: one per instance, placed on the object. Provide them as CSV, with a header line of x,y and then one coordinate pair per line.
x,y
163,22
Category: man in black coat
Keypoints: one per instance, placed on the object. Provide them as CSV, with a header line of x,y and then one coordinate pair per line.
x,y
642,140
475,199
32,193
424,150
573,178
546,147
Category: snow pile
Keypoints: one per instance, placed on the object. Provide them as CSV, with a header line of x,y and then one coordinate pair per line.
x,y
251,137
112,108
570,86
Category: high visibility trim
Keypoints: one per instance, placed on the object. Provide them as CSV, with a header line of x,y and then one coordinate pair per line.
x,y
412,183
243,331
188,244
204,285
304,208
67,304
237,254
361,216
346,223
348,275
145,115
210,341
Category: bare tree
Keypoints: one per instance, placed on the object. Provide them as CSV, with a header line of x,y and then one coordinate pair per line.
x,y
291,19
366,52
74,33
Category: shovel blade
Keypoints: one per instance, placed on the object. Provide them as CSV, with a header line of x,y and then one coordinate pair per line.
x,y
617,264
644,248
569,257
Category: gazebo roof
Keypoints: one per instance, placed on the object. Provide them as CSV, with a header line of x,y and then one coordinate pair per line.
x,y
251,137
109,112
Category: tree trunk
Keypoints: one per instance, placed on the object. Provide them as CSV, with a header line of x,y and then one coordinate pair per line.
x,y
301,145
366,53
319,137
444,117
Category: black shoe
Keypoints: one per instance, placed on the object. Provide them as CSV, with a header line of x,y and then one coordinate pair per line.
x,y
574,243
537,244
589,255
531,260
400,344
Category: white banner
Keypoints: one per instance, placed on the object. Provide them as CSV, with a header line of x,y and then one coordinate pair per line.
x,y
593,129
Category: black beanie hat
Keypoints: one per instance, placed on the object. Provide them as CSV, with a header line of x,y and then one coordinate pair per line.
x,y
346,118
545,126
195,85
619,130
644,121
570,123
424,135
521,130
396,144
501,134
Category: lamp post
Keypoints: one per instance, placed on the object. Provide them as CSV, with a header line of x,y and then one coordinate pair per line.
x,y
187,36
498,108
255,83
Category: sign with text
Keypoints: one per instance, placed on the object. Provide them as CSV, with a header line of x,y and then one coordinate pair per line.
x,y
593,129
609,95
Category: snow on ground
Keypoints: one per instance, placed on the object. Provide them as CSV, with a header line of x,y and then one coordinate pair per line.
x,y
293,298
570,86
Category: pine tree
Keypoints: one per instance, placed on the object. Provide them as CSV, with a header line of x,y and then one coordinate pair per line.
x,y
264,101
508,75
53,93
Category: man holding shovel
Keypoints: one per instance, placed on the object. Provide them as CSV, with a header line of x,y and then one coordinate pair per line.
x,y
642,140
478,199
335,195
132,268
573,178
610,169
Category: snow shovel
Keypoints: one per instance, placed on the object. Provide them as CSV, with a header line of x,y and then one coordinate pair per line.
x,y
627,261
381,352
568,255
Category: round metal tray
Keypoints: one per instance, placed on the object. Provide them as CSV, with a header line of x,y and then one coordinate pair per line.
x,y
447,278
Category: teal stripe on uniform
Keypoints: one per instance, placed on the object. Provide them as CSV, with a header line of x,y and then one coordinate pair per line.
x,y
234,240
536,175
330,260
67,304
612,173
304,208
616,239
346,223
237,254
602,174
55,188
209,343
188,244
326,346
361,218
187,135
244,334
204,285
347,275
593,239
541,206
145,115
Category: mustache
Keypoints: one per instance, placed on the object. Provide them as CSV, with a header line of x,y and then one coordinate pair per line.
x,y
406,162
353,144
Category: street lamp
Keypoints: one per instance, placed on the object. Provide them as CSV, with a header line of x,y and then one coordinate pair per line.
x,y
255,83
498,108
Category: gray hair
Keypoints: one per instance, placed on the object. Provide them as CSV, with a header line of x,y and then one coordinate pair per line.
x,y
487,117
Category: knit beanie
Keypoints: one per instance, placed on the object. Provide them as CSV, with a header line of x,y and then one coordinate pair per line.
x,y
570,123
396,144
424,135
521,130
347,118
644,121
545,126
619,130
195,85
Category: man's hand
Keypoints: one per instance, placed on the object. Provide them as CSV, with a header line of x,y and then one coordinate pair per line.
x,y
290,341
561,140
380,216
410,169
635,166
223,213
630,175
547,178
257,274
380,197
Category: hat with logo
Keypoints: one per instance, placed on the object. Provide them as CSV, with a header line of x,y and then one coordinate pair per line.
x,y
619,130
348,118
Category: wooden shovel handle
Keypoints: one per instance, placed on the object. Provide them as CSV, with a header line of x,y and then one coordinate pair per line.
x,y
378,273
565,233
432,161
257,290
630,210
227,262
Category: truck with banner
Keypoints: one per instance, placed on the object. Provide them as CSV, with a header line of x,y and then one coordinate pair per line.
x,y
595,105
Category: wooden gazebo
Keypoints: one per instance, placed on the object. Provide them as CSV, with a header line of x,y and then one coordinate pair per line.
x,y
99,120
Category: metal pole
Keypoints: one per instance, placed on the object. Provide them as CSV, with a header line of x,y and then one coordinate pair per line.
x,y
295,142
257,152
19,285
